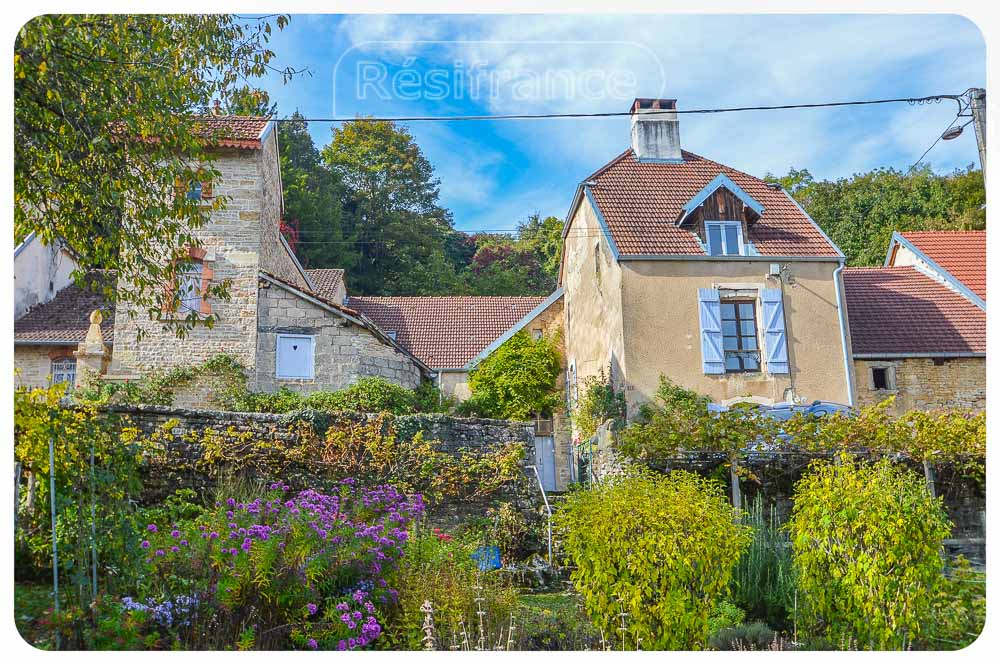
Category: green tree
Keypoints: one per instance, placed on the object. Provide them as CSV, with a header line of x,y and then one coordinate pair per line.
x,y
544,238
652,554
861,212
400,230
314,199
867,551
517,380
102,133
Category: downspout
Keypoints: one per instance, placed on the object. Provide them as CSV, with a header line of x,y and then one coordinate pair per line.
x,y
843,332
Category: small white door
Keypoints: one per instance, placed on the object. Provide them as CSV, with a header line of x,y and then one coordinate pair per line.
x,y
545,460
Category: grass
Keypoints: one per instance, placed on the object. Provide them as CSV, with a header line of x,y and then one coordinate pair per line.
x,y
32,613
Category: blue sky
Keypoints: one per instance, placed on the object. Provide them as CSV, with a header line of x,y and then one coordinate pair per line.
x,y
495,173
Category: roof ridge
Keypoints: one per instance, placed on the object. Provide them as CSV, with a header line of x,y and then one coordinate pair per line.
x,y
607,166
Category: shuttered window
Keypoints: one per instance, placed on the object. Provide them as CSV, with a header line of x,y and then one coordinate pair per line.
x,y
294,357
775,339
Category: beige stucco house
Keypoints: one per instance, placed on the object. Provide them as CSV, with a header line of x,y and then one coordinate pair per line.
x,y
675,265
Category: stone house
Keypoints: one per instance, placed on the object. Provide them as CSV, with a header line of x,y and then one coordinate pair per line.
x,y
918,324
675,265
275,321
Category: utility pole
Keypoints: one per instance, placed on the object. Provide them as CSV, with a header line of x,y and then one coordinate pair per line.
x,y
978,104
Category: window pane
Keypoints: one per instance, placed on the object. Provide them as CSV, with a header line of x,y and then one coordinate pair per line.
x,y
714,239
732,239
189,288
746,311
749,362
728,310
747,328
733,363
729,328
194,191
730,343
750,343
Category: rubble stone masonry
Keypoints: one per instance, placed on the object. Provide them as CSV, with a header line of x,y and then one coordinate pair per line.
x,y
925,383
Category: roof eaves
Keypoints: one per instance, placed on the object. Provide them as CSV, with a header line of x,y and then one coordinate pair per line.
x,y
951,281
525,320
920,354
24,243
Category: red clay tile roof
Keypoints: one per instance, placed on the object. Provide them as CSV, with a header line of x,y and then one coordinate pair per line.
x,y
641,202
228,131
65,318
961,253
445,331
901,310
327,280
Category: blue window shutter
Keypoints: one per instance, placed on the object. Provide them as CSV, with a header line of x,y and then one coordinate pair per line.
x,y
775,340
712,360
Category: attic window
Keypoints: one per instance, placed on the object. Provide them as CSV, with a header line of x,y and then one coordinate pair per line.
x,y
724,238
883,378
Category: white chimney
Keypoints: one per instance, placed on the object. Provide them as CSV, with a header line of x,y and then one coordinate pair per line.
x,y
656,132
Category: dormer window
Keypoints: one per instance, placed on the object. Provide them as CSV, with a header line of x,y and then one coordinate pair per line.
x,y
724,238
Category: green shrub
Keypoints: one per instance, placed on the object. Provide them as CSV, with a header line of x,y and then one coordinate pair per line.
x,y
959,608
371,394
756,636
725,614
659,548
439,568
598,404
517,380
867,548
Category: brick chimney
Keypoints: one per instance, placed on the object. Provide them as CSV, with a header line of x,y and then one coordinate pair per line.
x,y
656,132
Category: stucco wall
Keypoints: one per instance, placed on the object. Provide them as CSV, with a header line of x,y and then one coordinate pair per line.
x,y
662,330
344,352
33,364
593,300
926,383
232,238
40,272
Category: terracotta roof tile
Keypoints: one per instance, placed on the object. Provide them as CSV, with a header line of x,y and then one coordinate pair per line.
x,y
65,318
327,280
227,131
961,253
641,201
445,331
901,310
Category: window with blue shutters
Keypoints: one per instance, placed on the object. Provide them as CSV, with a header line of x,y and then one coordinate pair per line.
x,y
739,336
712,360
775,339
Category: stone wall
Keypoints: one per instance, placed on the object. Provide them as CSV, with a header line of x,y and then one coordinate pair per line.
x,y
180,464
344,351
925,383
274,256
33,364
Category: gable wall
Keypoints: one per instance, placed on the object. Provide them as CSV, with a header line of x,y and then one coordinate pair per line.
x,y
592,304
232,238
274,258
40,272
344,352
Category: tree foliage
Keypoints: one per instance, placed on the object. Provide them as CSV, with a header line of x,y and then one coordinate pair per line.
x,y
517,380
652,554
861,212
103,133
867,550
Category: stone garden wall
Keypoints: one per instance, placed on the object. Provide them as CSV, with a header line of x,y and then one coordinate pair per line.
x,y
181,463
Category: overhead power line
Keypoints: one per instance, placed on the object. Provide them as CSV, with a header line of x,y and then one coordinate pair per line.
x,y
931,99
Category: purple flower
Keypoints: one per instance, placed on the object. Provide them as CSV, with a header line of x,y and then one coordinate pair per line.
x,y
184,542
175,534
144,545
230,502
160,553
311,608
213,535
175,549
151,528
312,644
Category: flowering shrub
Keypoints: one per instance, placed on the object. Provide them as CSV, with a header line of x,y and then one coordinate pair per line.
x,y
307,571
